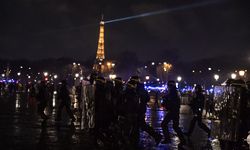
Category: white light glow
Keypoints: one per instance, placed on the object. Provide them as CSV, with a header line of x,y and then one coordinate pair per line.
x,y
216,77
55,76
77,75
233,76
45,74
179,78
241,73
112,76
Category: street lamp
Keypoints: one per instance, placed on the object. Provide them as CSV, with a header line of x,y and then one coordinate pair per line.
x,y
19,73
179,78
216,77
45,74
147,77
242,73
3,75
112,76
233,76
55,76
109,64
77,75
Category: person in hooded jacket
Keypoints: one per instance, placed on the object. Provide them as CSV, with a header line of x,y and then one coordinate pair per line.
x,y
117,96
197,106
131,104
42,98
172,105
63,95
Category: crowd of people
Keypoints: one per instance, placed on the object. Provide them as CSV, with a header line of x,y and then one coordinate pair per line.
x,y
124,106
114,111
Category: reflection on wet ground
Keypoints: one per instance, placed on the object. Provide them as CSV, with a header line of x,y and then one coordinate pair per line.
x,y
22,128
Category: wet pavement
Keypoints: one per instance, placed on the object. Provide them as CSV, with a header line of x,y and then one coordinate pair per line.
x,y
21,128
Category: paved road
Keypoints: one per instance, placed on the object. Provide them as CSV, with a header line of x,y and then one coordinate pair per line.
x,y
21,128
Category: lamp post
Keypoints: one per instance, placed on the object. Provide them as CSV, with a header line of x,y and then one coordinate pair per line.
x,y
179,78
216,77
45,74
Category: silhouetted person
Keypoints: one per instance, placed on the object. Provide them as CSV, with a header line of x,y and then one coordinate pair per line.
x,y
42,98
144,99
79,93
63,95
131,100
32,97
197,106
110,101
157,93
244,112
117,96
88,103
172,105
101,109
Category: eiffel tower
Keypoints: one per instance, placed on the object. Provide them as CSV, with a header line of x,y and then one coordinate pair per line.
x,y
100,55
101,65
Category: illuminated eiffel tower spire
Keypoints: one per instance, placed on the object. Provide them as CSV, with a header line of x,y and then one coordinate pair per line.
x,y
100,54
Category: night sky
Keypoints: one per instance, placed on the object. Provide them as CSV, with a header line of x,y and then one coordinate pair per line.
x,y
37,29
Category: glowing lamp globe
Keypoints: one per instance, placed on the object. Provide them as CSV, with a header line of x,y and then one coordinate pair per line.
x,y
233,76
241,73
216,77
179,78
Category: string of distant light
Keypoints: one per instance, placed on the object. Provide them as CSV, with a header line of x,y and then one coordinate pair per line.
x,y
163,11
